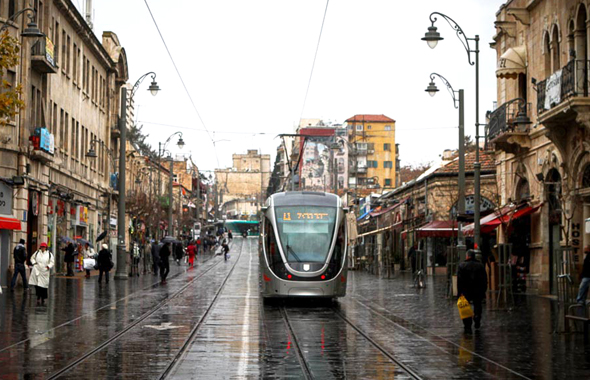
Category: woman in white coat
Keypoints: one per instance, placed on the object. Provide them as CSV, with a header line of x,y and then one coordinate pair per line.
x,y
42,261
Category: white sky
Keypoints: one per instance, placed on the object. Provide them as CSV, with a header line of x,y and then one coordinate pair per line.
x,y
247,63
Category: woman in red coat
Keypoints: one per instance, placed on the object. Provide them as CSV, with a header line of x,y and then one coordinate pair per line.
x,y
191,249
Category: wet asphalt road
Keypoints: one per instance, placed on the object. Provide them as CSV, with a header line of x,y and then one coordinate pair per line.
x,y
210,323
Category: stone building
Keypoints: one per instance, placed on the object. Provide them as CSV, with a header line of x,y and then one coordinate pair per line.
x,y
71,84
542,49
248,178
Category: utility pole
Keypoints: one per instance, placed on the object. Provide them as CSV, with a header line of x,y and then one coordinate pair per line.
x,y
121,272
171,199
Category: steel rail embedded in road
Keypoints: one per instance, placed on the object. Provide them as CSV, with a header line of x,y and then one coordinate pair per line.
x,y
306,371
391,357
179,355
76,362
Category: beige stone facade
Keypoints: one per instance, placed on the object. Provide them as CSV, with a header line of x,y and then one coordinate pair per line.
x,y
542,49
72,93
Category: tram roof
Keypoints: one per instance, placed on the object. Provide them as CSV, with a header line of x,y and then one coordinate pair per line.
x,y
305,198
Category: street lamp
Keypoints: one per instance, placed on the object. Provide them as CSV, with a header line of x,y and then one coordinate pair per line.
x,y
32,30
122,271
458,102
432,37
161,151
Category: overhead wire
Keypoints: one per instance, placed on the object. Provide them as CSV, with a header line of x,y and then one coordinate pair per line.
x,y
313,64
182,80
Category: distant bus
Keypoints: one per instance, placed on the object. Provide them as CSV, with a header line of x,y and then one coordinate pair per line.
x,y
237,227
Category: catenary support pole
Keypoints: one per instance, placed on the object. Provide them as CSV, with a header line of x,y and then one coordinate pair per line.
x,y
121,272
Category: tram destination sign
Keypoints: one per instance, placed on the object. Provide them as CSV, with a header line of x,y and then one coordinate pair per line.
x,y
287,216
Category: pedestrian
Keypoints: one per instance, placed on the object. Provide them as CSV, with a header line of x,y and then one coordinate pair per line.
x,y
105,263
89,253
136,258
165,252
147,258
225,248
42,261
412,256
585,282
191,250
230,236
178,252
69,258
472,282
20,258
155,248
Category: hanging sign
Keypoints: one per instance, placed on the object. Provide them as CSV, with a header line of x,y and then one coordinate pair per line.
x,y
553,90
5,199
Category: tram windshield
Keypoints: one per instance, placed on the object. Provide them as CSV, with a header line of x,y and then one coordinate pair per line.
x,y
305,232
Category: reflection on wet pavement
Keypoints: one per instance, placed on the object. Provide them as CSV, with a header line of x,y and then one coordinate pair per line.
x,y
206,325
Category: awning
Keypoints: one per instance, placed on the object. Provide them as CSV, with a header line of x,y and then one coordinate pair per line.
x,y
7,223
384,210
506,215
438,228
512,63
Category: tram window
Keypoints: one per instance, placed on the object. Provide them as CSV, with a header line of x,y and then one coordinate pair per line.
x,y
305,232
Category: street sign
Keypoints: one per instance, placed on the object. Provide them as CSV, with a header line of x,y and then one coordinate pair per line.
x,y
5,199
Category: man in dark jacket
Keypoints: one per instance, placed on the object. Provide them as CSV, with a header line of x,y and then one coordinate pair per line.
x,y
472,282
20,257
165,252
69,258
104,263
585,282
155,256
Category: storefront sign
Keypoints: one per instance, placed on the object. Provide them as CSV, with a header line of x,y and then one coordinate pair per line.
x,y
576,235
49,55
484,205
5,199
81,215
553,90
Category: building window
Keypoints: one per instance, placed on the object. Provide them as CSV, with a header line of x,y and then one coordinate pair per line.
x,y
359,127
368,127
387,181
387,147
372,164
387,164
388,127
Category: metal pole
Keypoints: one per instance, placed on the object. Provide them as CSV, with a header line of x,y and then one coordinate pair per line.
x,y
170,198
461,199
121,272
477,164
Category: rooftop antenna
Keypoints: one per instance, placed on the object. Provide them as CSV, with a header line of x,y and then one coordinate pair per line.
x,y
89,13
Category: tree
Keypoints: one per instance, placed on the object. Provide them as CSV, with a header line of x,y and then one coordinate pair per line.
x,y
137,138
409,172
10,102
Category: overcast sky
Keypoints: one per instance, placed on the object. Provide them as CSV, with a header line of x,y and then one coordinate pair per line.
x,y
246,65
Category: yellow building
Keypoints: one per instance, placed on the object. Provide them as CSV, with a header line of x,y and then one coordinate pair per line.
x,y
374,164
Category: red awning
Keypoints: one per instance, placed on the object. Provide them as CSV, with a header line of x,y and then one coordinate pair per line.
x,y
505,215
384,210
9,223
438,228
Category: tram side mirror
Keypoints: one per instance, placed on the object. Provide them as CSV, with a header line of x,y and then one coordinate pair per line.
x,y
346,210
263,208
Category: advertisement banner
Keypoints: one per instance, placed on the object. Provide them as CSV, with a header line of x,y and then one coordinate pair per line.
x,y
81,215
49,51
553,90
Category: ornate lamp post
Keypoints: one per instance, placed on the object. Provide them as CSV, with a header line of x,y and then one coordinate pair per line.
x,y
432,37
161,151
458,102
122,271
32,30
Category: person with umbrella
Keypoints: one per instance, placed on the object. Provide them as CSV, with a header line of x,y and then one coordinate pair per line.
x,y
165,252
42,261
69,258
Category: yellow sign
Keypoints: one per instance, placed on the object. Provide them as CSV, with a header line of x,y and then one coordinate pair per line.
x,y
49,50
306,216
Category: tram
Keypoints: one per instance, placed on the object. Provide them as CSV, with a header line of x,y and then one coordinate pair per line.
x,y
303,245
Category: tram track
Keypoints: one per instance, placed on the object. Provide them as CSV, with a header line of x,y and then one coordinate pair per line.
x,y
81,359
194,331
304,365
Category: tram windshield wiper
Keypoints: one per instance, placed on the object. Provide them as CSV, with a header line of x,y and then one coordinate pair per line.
x,y
291,251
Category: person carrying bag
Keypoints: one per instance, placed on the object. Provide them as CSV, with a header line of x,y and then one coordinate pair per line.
x,y
42,261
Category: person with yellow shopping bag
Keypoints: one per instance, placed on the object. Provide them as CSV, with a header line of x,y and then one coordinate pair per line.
x,y
472,284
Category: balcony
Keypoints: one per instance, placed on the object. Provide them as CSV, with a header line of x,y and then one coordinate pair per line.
x,y
504,131
562,100
42,59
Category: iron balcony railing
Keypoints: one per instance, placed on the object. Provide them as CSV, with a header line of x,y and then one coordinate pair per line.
x,y
574,82
502,119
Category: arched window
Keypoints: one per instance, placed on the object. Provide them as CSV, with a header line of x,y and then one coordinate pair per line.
x,y
586,177
547,50
522,190
555,51
580,34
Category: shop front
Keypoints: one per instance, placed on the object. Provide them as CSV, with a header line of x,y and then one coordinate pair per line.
x,y
8,223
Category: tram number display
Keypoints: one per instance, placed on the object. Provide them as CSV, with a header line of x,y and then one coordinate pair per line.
x,y
288,216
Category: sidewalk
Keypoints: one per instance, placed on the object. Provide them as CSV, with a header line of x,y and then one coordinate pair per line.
x,y
521,337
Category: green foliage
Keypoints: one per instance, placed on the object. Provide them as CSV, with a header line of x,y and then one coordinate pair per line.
x,y
10,102
137,138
